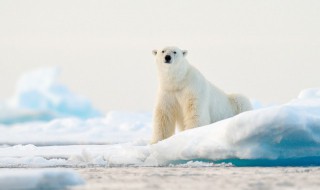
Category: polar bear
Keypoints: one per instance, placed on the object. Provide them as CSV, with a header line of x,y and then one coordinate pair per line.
x,y
186,99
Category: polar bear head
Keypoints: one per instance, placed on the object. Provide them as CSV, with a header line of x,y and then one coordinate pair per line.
x,y
170,55
172,66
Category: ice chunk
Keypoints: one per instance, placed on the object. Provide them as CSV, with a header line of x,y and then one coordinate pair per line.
x,y
36,179
39,96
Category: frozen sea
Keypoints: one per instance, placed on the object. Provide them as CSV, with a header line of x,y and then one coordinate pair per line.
x,y
152,178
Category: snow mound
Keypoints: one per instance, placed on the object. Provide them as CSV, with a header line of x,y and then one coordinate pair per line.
x,y
39,96
36,179
281,133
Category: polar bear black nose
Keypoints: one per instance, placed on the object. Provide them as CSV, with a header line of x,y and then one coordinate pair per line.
x,y
167,58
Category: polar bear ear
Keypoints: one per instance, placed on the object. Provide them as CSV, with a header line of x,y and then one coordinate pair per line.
x,y
154,52
184,52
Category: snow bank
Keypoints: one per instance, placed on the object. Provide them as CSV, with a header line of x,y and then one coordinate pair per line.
x,y
39,96
286,135
36,179
276,133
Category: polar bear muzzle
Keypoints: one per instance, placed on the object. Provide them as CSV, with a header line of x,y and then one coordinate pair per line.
x,y
167,59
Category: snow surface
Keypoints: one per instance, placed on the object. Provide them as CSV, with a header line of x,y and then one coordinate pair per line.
x,y
36,179
39,96
287,134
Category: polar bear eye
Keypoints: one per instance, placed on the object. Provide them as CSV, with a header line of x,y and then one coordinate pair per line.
x,y
175,52
163,51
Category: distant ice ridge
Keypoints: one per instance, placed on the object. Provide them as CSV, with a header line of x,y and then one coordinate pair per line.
x,y
38,179
310,93
284,135
39,96
115,127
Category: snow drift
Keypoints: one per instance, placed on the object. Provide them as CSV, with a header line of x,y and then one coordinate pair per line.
x,y
39,96
285,135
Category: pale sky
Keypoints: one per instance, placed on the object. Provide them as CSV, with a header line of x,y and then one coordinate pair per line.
x,y
267,50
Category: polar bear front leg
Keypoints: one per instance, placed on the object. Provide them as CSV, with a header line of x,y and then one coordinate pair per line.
x,y
163,121
190,112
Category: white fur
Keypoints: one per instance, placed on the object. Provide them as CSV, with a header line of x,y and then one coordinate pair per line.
x,y
186,99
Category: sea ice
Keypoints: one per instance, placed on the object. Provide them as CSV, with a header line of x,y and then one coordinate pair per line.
x,y
284,135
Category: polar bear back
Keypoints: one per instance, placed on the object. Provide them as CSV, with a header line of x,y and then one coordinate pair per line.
x,y
212,101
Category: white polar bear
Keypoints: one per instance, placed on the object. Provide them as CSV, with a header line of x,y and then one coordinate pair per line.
x,y
186,99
